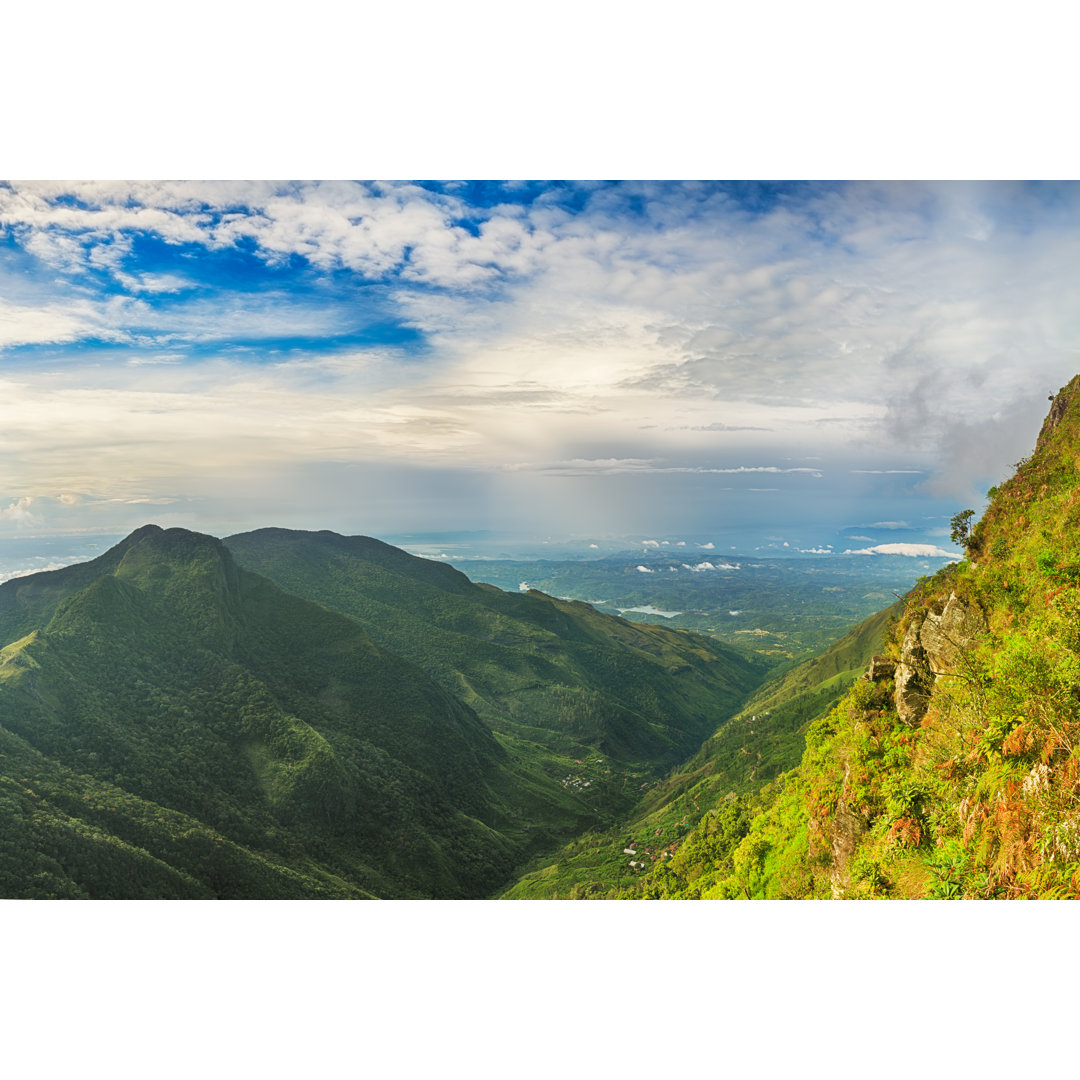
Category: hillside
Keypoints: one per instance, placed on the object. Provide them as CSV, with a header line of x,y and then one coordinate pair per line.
x,y
952,768
764,739
175,725
182,727
580,695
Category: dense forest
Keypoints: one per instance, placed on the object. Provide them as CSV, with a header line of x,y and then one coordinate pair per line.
x,y
174,724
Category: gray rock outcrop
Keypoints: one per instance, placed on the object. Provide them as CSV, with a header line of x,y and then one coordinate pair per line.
x,y
935,647
881,667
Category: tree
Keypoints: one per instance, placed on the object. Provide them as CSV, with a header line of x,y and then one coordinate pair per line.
x,y
961,527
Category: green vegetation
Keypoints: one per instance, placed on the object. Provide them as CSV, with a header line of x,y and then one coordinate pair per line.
x,y
560,684
955,772
676,824
309,715
187,712
175,725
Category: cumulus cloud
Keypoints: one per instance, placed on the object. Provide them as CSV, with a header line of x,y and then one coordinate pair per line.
x,y
20,512
913,550
702,566
644,570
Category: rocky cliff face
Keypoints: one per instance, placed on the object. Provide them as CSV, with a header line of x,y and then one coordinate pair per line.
x,y
937,645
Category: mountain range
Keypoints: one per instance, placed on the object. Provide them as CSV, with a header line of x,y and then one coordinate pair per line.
x,y
174,723
285,714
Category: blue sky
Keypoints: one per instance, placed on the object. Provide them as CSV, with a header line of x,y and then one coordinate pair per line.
x,y
809,363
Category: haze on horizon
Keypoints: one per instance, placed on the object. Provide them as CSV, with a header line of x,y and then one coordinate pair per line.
x,y
818,366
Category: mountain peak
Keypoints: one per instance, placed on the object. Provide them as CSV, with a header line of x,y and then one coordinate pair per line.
x,y
1060,406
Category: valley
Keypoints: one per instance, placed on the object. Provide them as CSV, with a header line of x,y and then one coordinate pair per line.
x,y
782,607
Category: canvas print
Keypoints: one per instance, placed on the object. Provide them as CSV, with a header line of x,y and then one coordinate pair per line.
x,y
539,540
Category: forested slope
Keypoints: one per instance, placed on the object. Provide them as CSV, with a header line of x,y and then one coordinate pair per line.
x,y
217,736
173,724
583,697
719,783
952,768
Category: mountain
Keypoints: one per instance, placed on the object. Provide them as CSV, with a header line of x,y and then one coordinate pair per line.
x,y
951,769
181,726
173,724
556,680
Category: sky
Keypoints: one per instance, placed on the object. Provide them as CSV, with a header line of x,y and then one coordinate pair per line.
x,y
816,366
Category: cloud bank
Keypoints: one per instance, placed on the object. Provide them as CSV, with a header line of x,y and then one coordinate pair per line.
x,y
569,352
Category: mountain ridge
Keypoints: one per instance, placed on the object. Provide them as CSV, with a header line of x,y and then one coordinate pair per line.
x,y
165,691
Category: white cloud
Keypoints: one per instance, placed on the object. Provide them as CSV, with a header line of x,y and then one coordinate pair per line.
x,y
19,512
702,566
644,570
707,547
913,550
45,568
50,324
650,543
153,283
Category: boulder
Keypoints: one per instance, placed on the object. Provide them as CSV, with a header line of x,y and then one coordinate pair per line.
x,y
948,637
935,647
881,667
912,694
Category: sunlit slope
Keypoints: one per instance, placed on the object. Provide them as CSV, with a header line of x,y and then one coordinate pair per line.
x,y
953,769
761,741
551,673
207,734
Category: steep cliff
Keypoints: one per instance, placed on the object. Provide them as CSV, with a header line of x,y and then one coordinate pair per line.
x,y
952,768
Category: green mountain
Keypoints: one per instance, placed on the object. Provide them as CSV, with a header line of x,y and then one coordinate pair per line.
x,y
558,682
173,724
215,736
764,739
952,768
